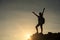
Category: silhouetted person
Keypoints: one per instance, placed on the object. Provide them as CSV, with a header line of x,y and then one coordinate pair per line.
x,y
41,20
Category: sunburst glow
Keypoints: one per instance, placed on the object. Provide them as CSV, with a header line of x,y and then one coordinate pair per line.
x,y
27,36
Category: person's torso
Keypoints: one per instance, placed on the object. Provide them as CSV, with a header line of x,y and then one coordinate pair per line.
x,y
41,20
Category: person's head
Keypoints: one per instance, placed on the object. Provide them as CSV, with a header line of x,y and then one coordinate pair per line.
x,y
40,14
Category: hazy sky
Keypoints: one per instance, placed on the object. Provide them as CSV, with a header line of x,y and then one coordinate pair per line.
x,y
17,20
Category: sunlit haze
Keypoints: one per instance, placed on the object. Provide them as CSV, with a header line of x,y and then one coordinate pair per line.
x,y
17,21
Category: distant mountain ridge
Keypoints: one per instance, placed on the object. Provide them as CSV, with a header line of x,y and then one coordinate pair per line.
x,y
49,36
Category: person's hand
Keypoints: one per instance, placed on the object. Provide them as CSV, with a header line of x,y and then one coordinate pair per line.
x,y
33,12
44,9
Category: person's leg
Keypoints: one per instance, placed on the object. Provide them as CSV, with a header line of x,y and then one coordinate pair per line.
x,y
37,27
41,28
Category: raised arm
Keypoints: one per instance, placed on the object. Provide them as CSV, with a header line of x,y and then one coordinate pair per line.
x,y
35,14
43,11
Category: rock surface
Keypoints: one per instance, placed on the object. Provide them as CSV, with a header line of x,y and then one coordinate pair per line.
x,y
49,36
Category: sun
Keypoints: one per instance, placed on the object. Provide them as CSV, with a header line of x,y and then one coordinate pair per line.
x,y
27,36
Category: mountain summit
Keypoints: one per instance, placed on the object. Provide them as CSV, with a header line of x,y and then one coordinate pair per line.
x,y
49,36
